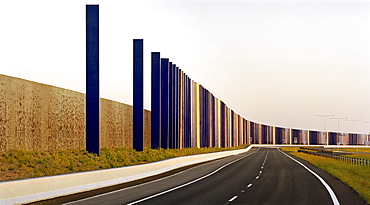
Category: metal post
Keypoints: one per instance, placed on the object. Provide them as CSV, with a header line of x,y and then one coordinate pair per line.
x,y
354,124
339,118
92,80
138,101
327,136
367,135
156,101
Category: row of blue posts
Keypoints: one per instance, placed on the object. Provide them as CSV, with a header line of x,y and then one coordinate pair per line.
x,y
92,86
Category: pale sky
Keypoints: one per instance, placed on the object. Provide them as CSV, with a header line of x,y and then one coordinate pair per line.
x,y
279,63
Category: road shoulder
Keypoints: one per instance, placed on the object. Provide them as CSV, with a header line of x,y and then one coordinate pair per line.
x,y
344,193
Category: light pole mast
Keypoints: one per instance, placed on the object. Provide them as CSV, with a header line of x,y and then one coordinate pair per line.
x,y
353,127
338,118
327,136
339,134
367,135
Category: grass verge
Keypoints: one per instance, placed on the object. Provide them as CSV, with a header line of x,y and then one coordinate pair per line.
x,y
356,176
19,164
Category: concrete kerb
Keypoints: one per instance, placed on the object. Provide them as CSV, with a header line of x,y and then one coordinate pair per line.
x,y
29,190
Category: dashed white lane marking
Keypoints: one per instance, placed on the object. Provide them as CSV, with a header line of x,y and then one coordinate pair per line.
x,y
331,192
232,199
191,182
249,185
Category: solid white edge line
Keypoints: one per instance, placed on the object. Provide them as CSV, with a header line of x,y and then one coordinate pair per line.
x,y
112,192
328,188
123,189
191,182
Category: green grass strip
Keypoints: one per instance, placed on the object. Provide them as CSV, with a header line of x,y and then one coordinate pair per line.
x,y
19,164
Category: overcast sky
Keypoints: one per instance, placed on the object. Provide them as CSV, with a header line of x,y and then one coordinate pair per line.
x,y
279,63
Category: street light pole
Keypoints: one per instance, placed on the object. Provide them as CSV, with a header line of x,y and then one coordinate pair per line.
x,y
367,136
327,136
353,127
339,134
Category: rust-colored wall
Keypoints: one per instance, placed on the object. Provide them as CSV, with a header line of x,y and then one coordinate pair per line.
x,y
35,116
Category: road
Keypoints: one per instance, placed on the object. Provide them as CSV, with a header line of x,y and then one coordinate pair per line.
x,y
260,176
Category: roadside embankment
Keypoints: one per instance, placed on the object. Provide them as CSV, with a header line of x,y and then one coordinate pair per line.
x,y
28,190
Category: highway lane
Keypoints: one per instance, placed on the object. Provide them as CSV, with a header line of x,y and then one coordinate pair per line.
x,y
264,176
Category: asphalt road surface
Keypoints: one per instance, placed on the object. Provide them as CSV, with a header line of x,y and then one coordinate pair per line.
x,y
260,176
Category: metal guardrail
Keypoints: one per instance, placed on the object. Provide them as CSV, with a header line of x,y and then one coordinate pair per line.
x,y
356,161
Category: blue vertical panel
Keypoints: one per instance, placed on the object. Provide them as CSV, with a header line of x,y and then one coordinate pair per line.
x,y
278,135
232,128
352,139
295,136
227,128
206,118
203,118
188,112
177,106
185,101
164,102
313,138
208,124
156,101
170,106
175,89
222,128
179,91
252,133
214,127
182,108
258,133
173,124
223,125
200,116
245,138
332,138
264,134
138,101
92,80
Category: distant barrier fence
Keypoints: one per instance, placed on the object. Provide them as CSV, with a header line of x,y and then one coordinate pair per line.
x,y
356,161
